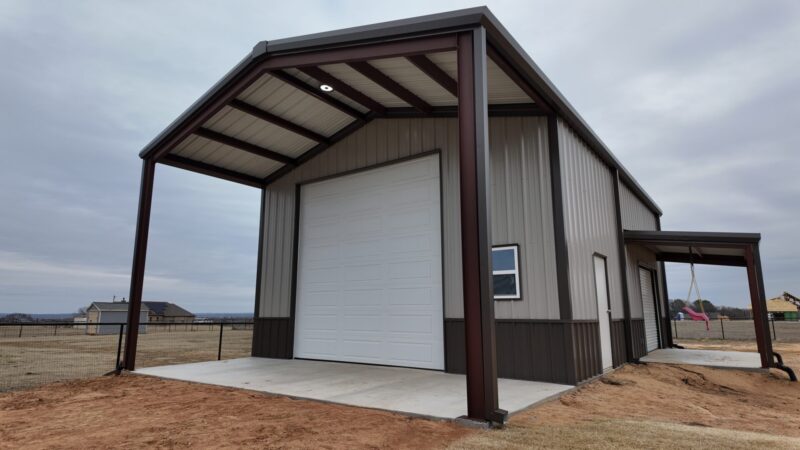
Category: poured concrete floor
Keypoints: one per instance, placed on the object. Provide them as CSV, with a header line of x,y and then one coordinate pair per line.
x,y
413,391
711,358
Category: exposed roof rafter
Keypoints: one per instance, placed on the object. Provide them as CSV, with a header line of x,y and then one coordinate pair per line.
x,y
435,72
386,82
515,77
316,93
276,120
244,146
210,170
345,89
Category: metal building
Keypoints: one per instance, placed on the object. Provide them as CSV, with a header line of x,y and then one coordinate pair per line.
x,y
429,199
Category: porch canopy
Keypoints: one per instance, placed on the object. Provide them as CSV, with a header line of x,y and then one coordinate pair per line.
x,y
291,99
721,249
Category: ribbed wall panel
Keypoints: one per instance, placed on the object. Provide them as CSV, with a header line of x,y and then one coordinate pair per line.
x,y
518,147
591,226
635,215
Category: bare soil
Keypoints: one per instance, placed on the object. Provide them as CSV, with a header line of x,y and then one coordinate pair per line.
x,y
637,406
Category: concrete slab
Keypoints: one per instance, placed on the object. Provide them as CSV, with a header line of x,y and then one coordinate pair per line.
x,y
711,358
413,391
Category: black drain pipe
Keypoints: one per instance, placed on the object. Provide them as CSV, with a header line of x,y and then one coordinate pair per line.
x,y
787,369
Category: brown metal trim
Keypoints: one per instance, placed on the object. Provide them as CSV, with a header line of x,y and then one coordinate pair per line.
x,y
295,254
224,139
435,72
509,70
389,162
207,169
481,360
260,257
138,265
714,260
510,110
559,221
277,120
317,94
388,83
662,275
381,50
623,267
344,89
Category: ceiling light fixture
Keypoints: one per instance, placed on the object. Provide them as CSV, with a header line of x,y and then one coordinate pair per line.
x,y
326,88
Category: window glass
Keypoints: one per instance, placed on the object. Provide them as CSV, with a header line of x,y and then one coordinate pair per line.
x,y
505,285
503,259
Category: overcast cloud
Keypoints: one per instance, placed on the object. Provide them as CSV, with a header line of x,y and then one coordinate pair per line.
x,y
700,100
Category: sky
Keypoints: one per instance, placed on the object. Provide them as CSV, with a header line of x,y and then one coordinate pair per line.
x,y
699,100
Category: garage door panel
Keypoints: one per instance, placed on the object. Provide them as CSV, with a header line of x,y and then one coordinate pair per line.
x,y
369,264
649,309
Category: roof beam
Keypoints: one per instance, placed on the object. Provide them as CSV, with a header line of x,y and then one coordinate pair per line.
x,y
347,130
210,170
244,146
516,77
277,120
435,72
344,89
513,110
384,81
316,93
714,260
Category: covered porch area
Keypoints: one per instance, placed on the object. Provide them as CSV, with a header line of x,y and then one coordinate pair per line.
x,y
722,249
426,393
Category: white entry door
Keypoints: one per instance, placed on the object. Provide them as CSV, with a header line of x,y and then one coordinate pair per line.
x,y
369,270
603,310
649,308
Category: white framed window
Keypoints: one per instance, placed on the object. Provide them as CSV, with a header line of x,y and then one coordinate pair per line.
x,y
505,272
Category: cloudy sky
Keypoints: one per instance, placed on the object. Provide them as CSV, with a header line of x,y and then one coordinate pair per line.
x,y
700,100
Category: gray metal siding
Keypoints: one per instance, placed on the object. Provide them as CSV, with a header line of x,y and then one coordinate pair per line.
x,y
118,317
590,220
518,148
636,216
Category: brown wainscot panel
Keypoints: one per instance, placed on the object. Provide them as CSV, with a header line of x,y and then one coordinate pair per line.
x,y
272,337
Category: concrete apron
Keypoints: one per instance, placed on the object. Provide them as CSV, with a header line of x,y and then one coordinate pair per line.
x,y
417,392
709,358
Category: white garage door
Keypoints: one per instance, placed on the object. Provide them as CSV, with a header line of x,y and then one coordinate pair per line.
x,y
369,272
649,308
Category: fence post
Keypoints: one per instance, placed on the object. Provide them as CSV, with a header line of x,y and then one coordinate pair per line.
x,y
722,327
219,350
20,331
675,327
55,330
119,347
774,335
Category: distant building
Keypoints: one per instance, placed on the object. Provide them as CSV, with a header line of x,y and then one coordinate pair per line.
x,y
101,315
781,309
168,312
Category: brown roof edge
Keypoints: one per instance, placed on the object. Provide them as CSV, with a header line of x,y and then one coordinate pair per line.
x,y
497,35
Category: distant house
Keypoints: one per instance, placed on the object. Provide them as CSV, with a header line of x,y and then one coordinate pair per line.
x,y
105,317
168,312
781,309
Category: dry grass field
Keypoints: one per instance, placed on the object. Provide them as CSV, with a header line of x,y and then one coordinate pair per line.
x,y
637,406
739,330
43,355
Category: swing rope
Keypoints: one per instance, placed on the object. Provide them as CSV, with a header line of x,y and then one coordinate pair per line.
x,y
693,284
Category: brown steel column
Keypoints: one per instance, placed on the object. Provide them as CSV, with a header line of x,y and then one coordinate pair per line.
x,y
476,251
623,268
139,255
758,302
665,292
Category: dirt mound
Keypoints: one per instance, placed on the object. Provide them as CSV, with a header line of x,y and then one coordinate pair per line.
x,y
688,395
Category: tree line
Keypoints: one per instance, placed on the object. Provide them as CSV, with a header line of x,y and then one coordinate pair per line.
x,y
713,311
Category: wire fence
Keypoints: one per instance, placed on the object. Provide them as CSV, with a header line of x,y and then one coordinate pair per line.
x,y
737,330
32,354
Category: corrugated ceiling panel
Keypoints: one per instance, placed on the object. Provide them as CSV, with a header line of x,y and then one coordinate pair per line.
x,y
279,98
210,152
413,79
365,85
502,90
243,126
315,83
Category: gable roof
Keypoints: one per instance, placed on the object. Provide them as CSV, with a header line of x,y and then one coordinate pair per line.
x,y
188,141
779,304
167,309
113,306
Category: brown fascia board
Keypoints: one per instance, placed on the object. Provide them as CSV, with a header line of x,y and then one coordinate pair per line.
x,y
497,35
